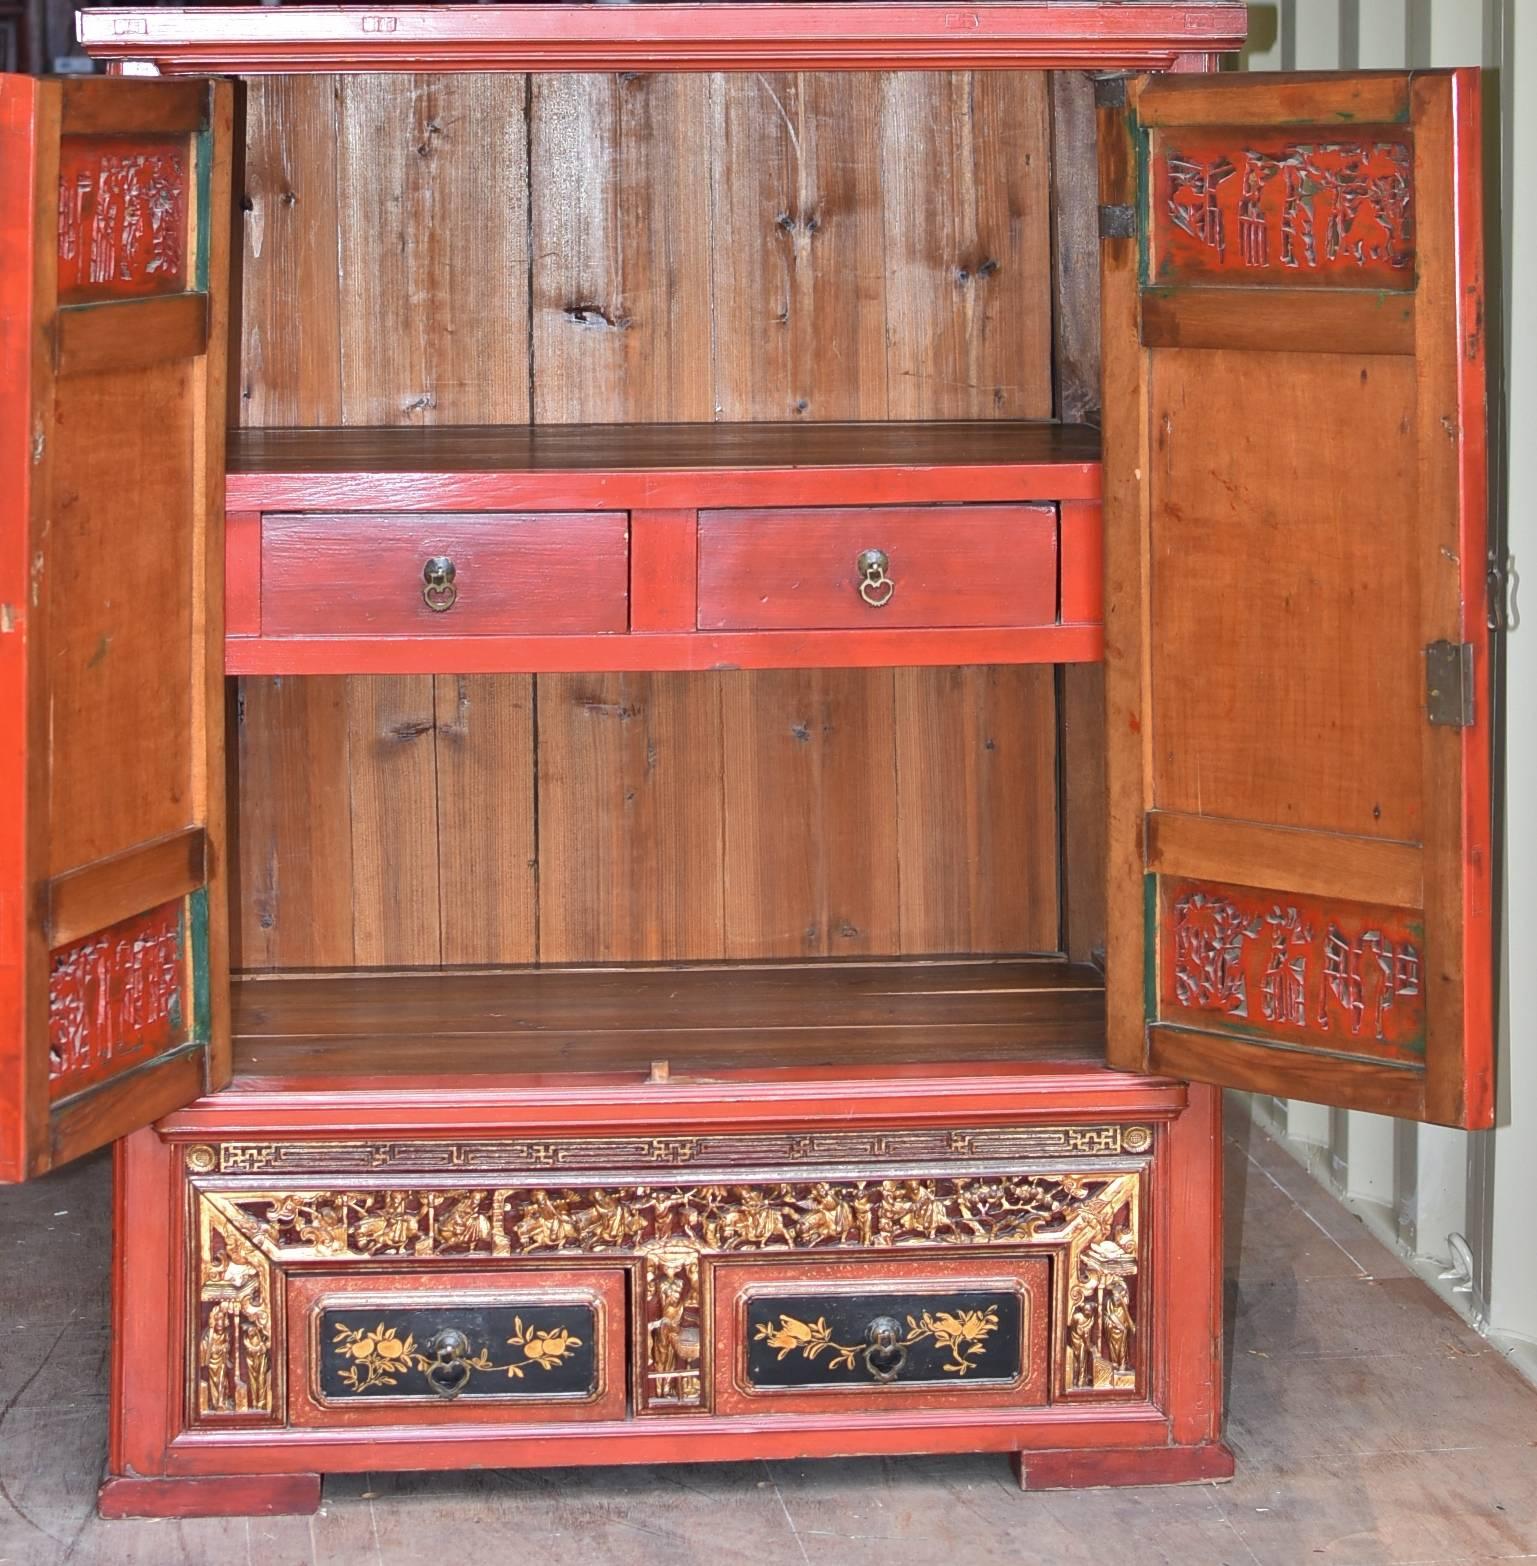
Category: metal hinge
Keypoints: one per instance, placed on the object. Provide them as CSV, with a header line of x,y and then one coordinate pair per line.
x,y
1117,222
1500,610
1110,90
1449,684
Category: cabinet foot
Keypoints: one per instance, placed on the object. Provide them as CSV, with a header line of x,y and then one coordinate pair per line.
x,y
1092,1469
205,1495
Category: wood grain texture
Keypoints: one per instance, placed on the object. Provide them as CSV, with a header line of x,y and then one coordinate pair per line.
x,y
654,296
434,172
977,809
811,812
396,884
293,873
290,284
630,818
487,856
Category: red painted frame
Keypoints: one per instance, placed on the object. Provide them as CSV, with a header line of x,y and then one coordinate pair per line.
x,y
1042,34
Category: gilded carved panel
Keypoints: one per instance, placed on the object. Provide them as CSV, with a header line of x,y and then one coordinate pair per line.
x,y
668,1232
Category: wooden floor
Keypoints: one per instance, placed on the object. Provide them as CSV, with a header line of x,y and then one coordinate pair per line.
x,y
1370,1426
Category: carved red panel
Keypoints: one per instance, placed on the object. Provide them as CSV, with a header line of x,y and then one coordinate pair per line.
x,y
117,998
1307,970
1231,207
122,217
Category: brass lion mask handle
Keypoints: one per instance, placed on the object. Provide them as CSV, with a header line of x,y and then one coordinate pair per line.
x,y
448,1374
885,1352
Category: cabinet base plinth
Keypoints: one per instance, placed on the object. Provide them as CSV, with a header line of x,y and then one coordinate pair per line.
x,y
213,1495
1099,1468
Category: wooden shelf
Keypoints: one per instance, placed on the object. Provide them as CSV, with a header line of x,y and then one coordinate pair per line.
x,y
1041,34
642,465
365,1032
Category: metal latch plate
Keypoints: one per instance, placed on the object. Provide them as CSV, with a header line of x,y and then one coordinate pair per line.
x,y
1117,222
1449,684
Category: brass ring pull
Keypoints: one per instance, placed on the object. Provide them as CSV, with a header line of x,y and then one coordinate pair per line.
x,y
875,586
885,1352
449,1374
439,592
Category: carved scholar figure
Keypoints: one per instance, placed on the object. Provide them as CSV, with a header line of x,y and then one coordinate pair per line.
x,y
1337,211
234,1325
1347,970
116,996
674,1331
122,218
1099,1351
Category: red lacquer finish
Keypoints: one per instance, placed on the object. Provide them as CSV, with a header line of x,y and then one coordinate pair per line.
x,y
1262,209
845,569
210,1495
123,209
1300,970
118,998
586,37
505,574
18,948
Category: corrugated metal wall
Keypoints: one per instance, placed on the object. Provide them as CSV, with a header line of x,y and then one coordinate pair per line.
x,y
1418,1185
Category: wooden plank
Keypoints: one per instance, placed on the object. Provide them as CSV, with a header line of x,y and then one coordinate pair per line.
x,y
621,310
629,773
1294,99
1081,736
658,651
664,569
811,852
129,334
565,451
799,254
487,854
1363,869
293,818
434,250
1296,319
242,573
977,810
630,823
1288,667
1289,1073
133,108
1452,553
1045,34
291,306
1074,247
100,894
964,192
1126,629
396,883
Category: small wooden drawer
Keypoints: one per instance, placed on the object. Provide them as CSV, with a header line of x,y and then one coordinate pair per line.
x,y
467,574
908,1333
877,566
493,1346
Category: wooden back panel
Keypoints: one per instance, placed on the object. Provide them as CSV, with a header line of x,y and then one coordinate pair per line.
x,y
656,248
114,210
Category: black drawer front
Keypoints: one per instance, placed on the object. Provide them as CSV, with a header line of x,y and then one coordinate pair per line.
x,y
909,1337
452,1352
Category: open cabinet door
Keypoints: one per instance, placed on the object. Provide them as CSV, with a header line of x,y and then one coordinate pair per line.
x,y
114,201
1297,660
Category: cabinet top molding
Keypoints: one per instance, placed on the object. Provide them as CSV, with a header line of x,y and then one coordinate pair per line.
x,y
277,40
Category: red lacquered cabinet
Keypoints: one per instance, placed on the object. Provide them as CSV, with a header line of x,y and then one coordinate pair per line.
x,y
679,684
